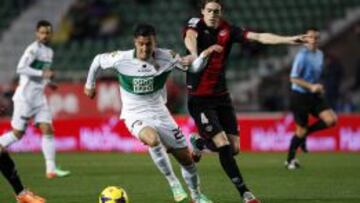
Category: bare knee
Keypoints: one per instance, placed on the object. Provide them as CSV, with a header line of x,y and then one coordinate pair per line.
x,y
149,137
220,140
331,121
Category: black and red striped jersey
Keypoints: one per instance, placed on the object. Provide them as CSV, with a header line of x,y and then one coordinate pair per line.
x,y
211,80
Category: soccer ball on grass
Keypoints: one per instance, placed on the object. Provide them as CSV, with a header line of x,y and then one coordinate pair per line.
x,y
113,194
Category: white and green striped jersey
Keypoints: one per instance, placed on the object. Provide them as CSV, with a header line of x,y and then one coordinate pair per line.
x,y
36,57
142,83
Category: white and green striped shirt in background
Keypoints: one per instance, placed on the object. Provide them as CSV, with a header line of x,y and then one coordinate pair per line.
x,y
36,57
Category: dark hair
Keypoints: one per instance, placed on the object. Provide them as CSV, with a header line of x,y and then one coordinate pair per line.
x,y
43,23
311,29
204,2
144,30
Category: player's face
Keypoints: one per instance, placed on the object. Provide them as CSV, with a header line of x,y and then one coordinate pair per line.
x,y
145,46
212,14
44,34
313,39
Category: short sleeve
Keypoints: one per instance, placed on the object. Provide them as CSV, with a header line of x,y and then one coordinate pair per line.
x,y
298,66
238,34
192,24
109,60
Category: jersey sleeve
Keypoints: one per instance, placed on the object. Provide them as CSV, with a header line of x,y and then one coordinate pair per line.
x,y
298,66
26,59
101,61
238,34
192,24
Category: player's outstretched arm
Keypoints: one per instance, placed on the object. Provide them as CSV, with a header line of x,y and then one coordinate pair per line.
x,y
269,38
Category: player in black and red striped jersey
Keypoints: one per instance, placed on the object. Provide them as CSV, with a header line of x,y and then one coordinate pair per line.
x,y
209,102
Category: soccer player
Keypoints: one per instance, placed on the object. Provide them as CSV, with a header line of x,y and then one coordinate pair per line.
x,y
142,74
7,168
29,99
307,95
209,102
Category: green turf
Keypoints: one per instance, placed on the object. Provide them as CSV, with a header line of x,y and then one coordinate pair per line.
x,y
324,178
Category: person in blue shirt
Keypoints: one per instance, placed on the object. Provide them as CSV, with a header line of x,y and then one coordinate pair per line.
x,y
307,96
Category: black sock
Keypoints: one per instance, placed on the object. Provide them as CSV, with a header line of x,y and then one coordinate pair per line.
x,y
7,167
294,144
319,125
303,144
229,165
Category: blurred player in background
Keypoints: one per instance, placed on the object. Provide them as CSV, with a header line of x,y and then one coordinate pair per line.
x,y
30,101
142,74
209,102
307,96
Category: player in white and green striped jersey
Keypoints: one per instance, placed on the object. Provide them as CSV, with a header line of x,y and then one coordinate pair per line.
x,y
142,74
30,101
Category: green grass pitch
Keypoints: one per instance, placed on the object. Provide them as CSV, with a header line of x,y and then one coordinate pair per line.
x,y
324,178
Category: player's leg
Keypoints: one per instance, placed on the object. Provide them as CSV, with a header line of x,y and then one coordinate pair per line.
x,y
209,126
174,139
7,168
298,138
11,137
200,111
327,119
190,174
49,151
43,120
300,105
228,121
235,143
230,166
146,133
19,121
9,171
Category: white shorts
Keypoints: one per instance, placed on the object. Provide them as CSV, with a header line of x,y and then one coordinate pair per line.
x,y
170,134
23,112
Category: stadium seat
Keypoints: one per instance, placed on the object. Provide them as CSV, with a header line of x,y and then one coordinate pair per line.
x,y
280,16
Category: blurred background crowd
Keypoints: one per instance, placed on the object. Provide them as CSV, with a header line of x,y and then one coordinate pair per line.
x,y
258,76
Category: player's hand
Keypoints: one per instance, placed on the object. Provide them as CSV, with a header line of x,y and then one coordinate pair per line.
x,y
48,74
298,39
91,93
214,48
187,60
317,89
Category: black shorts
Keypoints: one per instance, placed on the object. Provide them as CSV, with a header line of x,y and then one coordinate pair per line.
x,y
302,105
213,115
